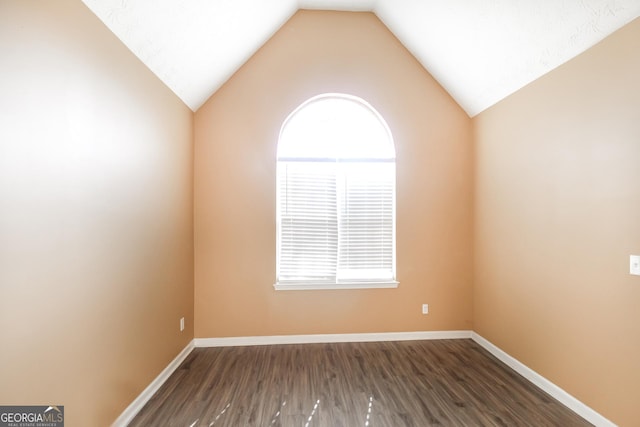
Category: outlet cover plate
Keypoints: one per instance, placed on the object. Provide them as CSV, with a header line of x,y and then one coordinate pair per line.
x,y
634,265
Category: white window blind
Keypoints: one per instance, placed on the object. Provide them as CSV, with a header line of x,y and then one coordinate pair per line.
x,y
365,248
336,197
308,222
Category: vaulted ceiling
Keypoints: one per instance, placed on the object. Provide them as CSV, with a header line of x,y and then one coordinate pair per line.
x,y
479,50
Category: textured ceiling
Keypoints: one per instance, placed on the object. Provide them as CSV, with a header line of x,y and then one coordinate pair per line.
x,y
479,50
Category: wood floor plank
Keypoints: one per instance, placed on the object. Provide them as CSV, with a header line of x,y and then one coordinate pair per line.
x,y
391,384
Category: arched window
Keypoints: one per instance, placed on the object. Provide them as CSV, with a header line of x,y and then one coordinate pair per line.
x,y
335,197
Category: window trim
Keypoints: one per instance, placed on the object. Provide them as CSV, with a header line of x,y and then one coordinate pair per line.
x,y
308,285
341,284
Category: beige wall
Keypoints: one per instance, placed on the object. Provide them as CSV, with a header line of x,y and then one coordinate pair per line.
x,y
95,215
236,134
558,214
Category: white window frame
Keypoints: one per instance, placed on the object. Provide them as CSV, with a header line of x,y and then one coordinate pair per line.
x,y
367,283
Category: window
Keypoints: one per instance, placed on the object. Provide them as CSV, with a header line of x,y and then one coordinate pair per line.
x,y
335,197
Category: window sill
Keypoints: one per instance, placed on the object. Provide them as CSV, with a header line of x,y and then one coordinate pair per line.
x,y
321,286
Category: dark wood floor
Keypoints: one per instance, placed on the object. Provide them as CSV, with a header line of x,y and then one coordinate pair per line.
x,y
394,384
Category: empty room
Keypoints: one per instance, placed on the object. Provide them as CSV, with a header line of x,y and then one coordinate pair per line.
x,y
320,213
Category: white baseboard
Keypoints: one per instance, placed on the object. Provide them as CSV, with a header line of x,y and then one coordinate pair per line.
x,y
541,382
330,338
132,410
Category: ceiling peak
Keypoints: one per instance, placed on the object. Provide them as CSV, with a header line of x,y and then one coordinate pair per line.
x,y
480,52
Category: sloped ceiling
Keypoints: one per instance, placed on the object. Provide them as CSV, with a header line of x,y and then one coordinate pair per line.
x,y
479,50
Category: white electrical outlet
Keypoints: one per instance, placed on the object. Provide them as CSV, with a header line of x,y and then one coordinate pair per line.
x,y
425,308
181,324
634,265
